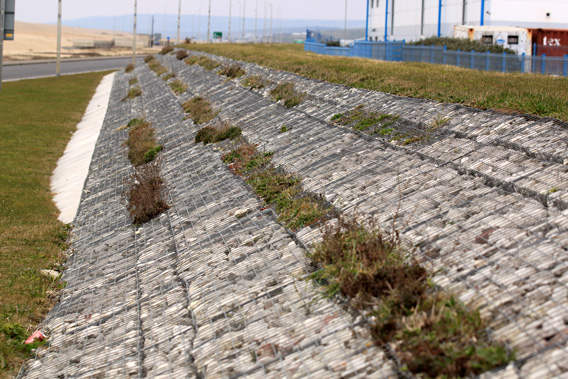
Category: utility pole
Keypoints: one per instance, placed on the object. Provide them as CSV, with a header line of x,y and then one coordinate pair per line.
x,y
345,26
230,8
58,61
270,23
244,7
134,36
255,20
264,31
152,33
209,22
179,20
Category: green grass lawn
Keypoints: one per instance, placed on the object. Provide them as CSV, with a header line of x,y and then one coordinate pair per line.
x,y
37,120
526,93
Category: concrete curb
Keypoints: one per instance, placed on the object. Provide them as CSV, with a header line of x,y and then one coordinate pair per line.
x,y
72,168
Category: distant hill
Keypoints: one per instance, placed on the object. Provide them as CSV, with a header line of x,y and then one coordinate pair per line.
x,y
196,26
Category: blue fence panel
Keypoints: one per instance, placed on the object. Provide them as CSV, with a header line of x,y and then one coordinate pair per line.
x,y
397,51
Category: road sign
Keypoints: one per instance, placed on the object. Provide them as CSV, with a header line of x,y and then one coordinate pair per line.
x,y
217,35
9,10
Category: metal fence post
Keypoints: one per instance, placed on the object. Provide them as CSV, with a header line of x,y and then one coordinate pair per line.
x,y
444,55
487,61
523,63
504,62
543,64
458,58
471,59
565,68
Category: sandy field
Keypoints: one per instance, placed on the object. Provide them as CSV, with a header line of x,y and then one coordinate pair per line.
x,y
37,41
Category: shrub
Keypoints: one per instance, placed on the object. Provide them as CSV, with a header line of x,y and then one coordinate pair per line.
x,y
255,82
333,44
217,133
148,58
285,91
182,54
146,193
462,44
166,49
199,109
129,68
231,71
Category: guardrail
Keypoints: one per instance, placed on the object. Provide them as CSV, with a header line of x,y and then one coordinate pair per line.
x,y
399,52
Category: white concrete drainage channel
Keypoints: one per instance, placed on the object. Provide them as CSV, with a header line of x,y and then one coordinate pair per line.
x,y
72,168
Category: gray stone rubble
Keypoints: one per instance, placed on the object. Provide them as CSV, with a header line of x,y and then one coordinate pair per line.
x,y
216,288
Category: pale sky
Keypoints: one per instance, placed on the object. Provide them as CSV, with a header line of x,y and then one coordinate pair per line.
x,y
45,11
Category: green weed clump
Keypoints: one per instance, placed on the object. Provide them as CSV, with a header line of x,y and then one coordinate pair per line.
x,y
203,61
168,76
231,71
166,49
433,332
129,68
148,58
217,133
199,109
255,82
296,209
132,81
363,120
178,87
133,92
160,70
142,145
286,91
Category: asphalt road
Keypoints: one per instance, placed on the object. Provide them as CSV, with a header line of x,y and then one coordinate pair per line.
x,y
39,69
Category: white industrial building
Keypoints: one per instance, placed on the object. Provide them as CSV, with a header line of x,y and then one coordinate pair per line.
x,y
414,19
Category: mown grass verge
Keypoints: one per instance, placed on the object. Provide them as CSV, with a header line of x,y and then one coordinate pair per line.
x,y
535,94
146,193
434,333
199,109
38,117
